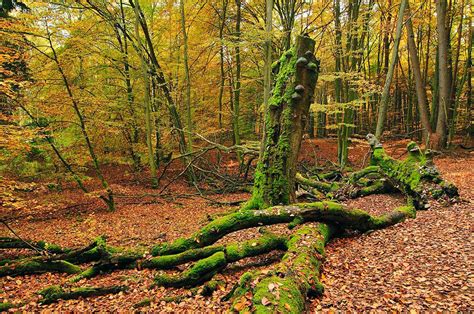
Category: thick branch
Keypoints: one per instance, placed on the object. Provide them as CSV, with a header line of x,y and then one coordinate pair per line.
x,y
330,212
55,293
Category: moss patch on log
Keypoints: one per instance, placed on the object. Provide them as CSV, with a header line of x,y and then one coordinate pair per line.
x,y
5,306
200,272
54,293
38,265
326,211
210,265
415,176
284,290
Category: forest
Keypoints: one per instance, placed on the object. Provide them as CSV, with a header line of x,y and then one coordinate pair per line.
x,y
241,156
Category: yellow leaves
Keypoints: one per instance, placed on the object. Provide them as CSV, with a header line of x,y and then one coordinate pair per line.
x,y
241,305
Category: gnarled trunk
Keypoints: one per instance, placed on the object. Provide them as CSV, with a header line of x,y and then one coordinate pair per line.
x,y
285,120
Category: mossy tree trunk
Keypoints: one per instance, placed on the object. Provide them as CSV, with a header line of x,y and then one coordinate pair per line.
x,y
285,122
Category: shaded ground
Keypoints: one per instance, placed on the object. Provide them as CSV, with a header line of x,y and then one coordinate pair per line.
x,y
424,263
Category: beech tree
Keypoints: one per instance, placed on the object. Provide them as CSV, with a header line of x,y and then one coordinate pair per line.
x,y
296,276
132,86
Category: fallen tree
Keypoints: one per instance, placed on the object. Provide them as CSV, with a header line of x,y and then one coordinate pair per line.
x,y
286,286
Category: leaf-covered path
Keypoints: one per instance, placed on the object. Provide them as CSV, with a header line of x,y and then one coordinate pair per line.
x,y
423,263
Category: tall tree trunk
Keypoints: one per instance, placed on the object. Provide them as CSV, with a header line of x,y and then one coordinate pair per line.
x,y
221,62
287,10
236,113
147,105
419,85
157,72
338,80
444,82
465,78
286,118
187,95
267,77
469,125
388,80
109,199
386,37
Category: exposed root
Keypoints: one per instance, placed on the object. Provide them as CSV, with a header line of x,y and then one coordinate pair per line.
x,y
330,212
207,267
15,243
416,176
55,293
38,265
284,289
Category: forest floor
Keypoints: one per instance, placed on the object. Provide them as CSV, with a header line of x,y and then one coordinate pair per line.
x,y
420,264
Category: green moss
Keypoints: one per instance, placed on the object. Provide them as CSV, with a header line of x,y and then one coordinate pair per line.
x,y
179,245
88,273
37,265
296,222
53,293
211,286
5,306
271,183
290,299
200,272
266,243
168,261
51,248
142,303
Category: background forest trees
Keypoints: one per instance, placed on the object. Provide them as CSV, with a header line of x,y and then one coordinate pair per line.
x,y
90,82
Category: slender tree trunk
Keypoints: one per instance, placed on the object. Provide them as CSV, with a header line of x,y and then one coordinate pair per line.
x,y
469,125
267,77
388,80
109,200
221,61
147,103
465,78
187,95
338,80
157,72
132,135
236,113
386,37
444,82
419,85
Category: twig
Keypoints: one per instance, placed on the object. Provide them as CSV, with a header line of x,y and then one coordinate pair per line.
x,y
41,252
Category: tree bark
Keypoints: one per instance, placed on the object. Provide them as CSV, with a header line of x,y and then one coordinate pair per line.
x,y
236,112
420,87
388,80
444,82
187,95
286,119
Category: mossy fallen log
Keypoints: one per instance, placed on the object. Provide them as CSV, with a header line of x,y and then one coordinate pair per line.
x,y
169,261
416,176
319,185
200,272
15,243
357,175
65,261
284,289
5,306
37,265
354,186
114,260
55,293
326,211
207,267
